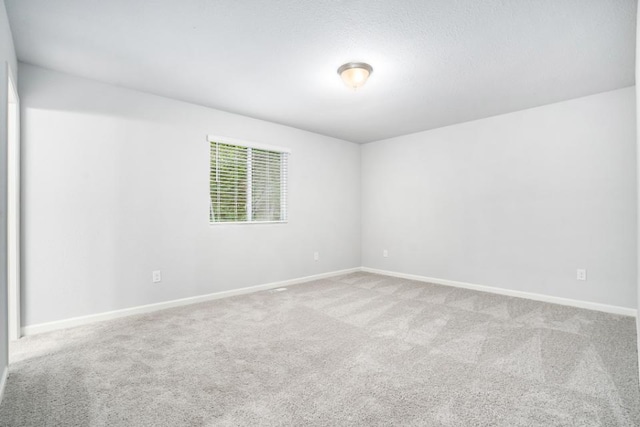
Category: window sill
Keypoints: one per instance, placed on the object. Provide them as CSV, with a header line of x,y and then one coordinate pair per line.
x,y
247,222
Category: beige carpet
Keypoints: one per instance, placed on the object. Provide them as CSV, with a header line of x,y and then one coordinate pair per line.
x,y
359,349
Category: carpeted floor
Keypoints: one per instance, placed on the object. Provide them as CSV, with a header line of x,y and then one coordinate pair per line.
x,y
359,349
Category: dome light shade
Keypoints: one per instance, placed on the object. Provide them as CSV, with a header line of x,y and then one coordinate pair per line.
x,y
355,74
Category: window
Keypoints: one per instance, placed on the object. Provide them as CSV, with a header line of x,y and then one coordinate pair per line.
x,y
247,182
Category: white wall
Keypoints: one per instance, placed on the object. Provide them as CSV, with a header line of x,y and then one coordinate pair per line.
x,y
115,185
517,201
7,56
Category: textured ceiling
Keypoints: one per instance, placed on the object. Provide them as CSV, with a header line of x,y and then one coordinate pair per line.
x,y
435,62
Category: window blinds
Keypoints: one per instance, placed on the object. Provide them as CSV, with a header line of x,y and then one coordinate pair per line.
x,y
247,184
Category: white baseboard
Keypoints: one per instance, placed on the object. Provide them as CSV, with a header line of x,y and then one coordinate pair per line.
x,y
3,382
77,321
512,293
83,320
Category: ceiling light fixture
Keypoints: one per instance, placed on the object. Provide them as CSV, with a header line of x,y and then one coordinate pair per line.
x,y
355,74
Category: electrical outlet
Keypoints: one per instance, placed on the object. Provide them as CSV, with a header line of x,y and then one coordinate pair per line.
x,y
156,276
316,256
581,274
385,253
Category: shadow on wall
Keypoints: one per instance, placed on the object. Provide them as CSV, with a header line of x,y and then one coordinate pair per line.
x,y
52,90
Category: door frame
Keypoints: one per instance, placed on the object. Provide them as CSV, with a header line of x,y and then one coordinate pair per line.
x,y
13,207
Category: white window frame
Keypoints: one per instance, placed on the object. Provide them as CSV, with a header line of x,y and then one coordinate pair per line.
x,y
257,146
